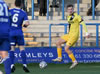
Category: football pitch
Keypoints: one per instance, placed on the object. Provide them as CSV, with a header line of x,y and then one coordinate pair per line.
x,y
58,69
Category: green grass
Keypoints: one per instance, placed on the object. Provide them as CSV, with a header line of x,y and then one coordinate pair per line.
x,y
58,69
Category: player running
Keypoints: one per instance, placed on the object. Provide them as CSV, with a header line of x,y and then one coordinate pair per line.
x,y
18,18
71,38
4,36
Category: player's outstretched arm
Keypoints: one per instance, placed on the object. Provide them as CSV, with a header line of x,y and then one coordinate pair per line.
x,y
84,26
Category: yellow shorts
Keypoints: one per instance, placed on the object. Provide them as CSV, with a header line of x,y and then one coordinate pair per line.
x,y
70,40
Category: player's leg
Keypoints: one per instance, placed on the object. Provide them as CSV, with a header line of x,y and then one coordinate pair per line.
x,y
12,57
3,55
62,40
70,53
0,58
7,62
59,50
4,48
23,56
21,43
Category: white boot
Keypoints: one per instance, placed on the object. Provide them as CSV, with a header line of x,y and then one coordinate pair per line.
x,y
74,64
57,59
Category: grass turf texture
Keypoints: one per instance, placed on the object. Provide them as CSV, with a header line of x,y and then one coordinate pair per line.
x,y
58,69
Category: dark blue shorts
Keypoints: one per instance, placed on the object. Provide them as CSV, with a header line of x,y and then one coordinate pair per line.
x,y
19,40
4,44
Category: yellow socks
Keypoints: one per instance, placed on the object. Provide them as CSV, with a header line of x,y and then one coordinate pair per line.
x,y
72,57
59,51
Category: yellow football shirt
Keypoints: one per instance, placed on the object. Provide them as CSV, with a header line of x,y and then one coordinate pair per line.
x,y
74,21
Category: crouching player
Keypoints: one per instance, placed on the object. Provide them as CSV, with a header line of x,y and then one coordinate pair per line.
x,y
71,38
18,18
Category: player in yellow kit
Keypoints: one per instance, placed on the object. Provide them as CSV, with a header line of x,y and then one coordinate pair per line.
x,y
71,38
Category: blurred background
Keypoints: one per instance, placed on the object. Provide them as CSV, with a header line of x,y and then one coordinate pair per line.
x,y
42,13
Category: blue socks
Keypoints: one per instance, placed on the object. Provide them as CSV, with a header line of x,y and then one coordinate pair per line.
x,y
23,56
7,64
12,57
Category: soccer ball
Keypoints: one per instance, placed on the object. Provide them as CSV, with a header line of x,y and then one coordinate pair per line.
x,y
42,64
1,72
